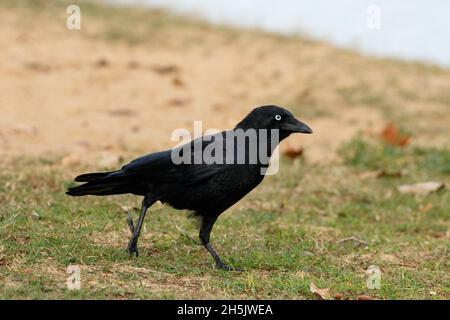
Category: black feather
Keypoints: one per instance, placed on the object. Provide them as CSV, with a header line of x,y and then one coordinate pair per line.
x,y
91,176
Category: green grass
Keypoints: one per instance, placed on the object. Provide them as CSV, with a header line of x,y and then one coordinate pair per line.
x,y
285,235
368,155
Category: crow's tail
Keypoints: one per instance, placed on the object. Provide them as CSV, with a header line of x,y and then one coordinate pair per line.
x,y
87,177
99,184
97,189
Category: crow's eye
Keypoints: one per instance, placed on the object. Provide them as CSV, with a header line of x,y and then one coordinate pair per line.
x,y
277,117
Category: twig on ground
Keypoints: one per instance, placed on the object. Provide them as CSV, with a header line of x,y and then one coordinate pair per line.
x,y
358,242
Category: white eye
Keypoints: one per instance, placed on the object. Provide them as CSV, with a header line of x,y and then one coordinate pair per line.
x,y
277,117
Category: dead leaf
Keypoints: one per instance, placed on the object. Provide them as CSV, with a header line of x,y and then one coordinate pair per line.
x,y
293,152
177,82
392,135
323,293
421,188
364,297
338,296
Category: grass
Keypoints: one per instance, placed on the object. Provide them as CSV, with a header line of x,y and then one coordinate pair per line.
x,y
285,235
423,162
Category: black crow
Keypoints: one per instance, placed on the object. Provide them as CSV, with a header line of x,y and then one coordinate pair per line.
x,y
205,176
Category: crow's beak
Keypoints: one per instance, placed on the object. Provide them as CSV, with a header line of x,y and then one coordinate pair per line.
x,y
293,125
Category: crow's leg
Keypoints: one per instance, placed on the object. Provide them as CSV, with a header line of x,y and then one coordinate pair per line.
x,y
205,231
132,245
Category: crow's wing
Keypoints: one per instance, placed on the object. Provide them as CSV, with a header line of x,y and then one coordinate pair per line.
x,y
160,168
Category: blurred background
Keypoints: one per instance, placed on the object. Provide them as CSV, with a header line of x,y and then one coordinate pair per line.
x,y
371,78
406,29
134,72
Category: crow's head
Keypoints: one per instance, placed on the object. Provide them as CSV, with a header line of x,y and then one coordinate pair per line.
x,y
273,117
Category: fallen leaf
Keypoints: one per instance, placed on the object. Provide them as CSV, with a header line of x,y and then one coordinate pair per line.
x,y
421,188
293,152
177,82
338,296
323,293
364,297
392,135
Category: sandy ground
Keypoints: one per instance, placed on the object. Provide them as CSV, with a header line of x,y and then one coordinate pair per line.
x,y
78,97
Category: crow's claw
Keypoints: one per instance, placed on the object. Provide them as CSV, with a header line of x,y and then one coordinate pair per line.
x,y
132,248
223,266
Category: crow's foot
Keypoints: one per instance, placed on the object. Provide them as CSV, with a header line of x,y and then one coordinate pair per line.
x,y
223,266
132,248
